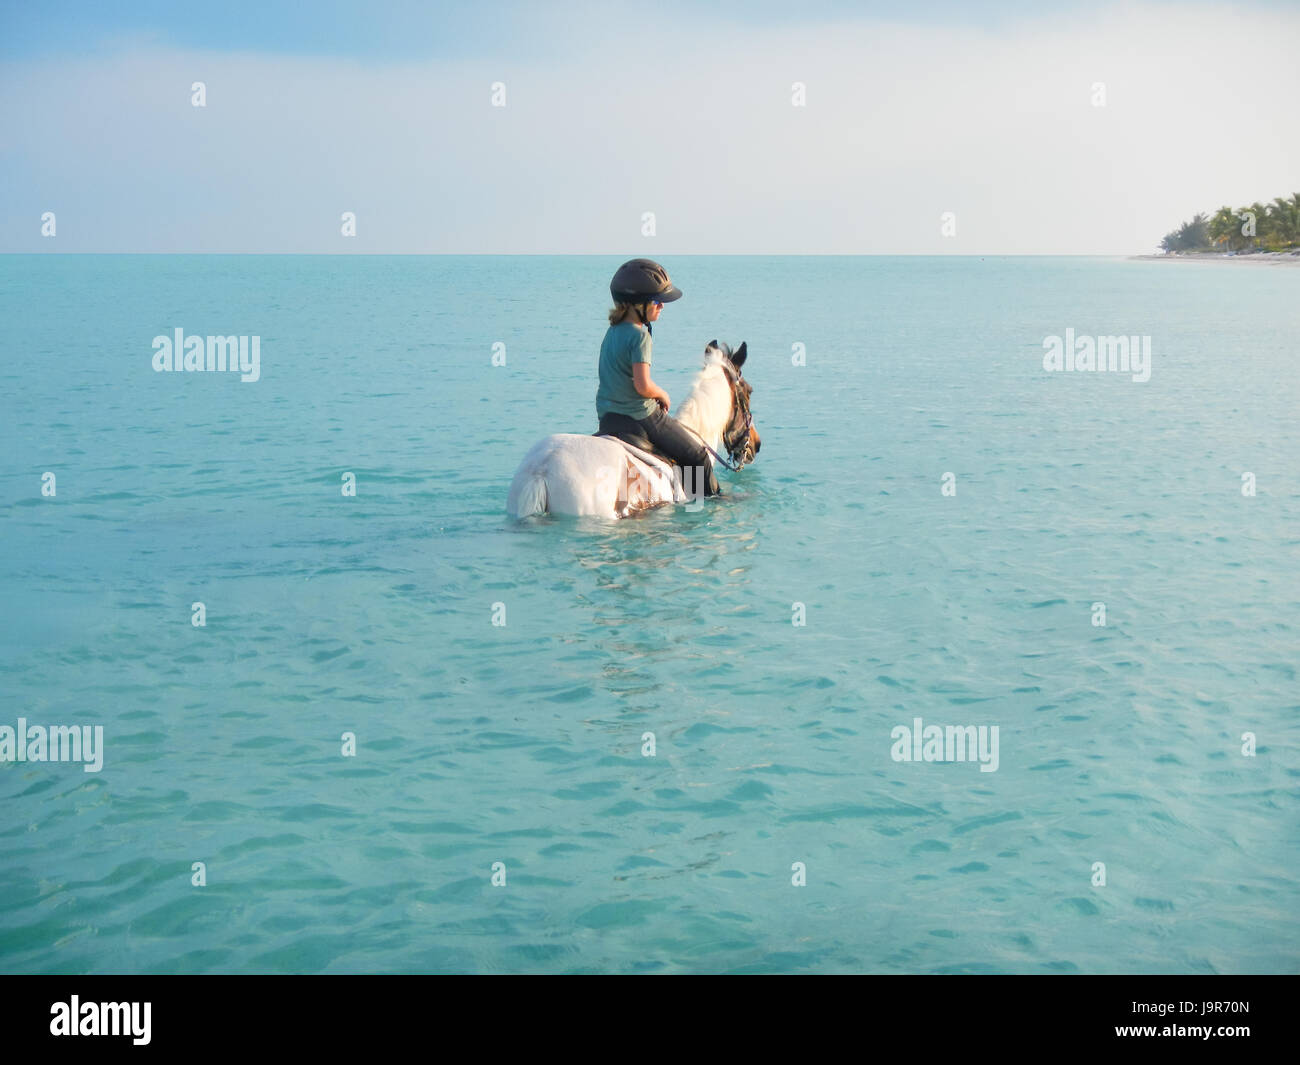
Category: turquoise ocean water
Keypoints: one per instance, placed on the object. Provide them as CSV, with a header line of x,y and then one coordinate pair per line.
x,y
522,743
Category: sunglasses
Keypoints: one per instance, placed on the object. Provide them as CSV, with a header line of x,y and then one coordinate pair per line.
x,y
657,303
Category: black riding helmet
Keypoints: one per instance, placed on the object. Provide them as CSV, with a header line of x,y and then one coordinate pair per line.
x,y
642,280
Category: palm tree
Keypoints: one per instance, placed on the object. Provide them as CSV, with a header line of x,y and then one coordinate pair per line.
x,y
1223,227
1261,221
1284,220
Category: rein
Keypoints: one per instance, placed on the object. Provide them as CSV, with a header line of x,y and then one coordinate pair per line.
x,y
725,463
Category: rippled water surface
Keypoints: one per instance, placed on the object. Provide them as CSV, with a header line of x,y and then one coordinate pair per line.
x,y
523,744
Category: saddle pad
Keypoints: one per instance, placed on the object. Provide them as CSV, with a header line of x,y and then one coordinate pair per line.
x,y
655,471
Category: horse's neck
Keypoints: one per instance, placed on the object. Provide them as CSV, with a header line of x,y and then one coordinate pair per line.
x,y
708,407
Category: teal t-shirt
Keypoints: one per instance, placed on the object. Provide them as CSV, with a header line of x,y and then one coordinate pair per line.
x,y
624,345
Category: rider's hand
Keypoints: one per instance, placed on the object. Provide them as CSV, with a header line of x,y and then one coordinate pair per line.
x,y
663,401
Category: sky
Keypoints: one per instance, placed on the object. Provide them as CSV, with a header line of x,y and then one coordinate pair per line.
x,y
939,127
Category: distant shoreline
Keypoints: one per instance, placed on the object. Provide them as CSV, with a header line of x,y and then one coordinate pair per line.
x,y
1259,258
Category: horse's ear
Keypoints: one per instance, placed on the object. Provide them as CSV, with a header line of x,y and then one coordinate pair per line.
x,y
710,344
741,354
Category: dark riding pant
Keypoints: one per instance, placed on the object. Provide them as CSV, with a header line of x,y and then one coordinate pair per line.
x,y
673,440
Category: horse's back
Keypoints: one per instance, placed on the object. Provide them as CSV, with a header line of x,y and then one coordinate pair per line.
x,y
561,474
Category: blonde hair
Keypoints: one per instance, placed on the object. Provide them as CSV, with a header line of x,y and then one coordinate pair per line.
x,y
620,311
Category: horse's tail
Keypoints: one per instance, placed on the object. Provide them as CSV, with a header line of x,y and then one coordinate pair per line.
x,y
527,494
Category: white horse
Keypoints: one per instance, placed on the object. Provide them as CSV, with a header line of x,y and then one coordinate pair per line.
x,y
602,476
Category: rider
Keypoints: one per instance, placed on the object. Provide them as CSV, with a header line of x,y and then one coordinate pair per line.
x,y
629,403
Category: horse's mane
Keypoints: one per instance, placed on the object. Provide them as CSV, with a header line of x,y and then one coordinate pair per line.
x,y
706,408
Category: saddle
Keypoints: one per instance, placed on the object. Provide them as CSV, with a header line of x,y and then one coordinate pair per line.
x,y
638,440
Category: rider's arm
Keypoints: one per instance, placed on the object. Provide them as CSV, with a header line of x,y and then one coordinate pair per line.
x,y
645,386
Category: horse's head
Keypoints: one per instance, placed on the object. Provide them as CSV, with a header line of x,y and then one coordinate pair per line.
x,y
739,437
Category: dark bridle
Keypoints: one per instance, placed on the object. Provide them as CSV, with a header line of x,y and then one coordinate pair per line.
x,y
735,438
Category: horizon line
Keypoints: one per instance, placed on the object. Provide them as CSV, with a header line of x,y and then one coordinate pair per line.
x,y
675,255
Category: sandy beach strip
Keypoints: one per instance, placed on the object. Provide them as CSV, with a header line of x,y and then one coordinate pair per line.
x,y
1264,258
